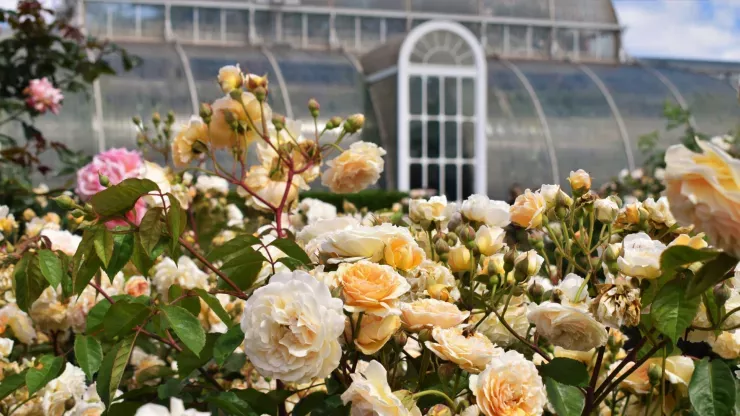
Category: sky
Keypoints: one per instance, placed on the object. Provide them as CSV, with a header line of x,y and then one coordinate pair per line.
x,y
688,29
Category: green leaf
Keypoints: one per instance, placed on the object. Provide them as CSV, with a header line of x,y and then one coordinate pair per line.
x,y
710,274
190,303
262,403
89,354
170,388
112,368
12,383
84,275
566,371
85,263
96,316
244,269
292,249
678,256
215,305
229,402
294,264
308,403
123,247
187,361
227,343
565,400
51,267
150,229
186,327
103,244
37,378
154,372
123,316
177,220
140,258
233,248
28,281
672,311
121,198
712,388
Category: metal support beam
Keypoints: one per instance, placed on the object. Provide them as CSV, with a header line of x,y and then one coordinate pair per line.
x,y
185,62
541,115
672,88
96,120
615,111
280,80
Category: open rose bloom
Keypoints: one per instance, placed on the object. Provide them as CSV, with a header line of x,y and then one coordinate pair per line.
x,y
210,280
41,95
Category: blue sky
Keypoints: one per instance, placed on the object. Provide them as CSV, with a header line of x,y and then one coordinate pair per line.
x,y
689,29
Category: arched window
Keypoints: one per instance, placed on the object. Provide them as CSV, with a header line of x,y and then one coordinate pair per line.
x,y
442,111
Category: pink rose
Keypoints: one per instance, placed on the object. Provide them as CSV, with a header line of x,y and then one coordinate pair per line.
x,y
41,96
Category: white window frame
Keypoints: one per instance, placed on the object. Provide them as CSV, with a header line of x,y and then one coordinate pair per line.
x,y
478,72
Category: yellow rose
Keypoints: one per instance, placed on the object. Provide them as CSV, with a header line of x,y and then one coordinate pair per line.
x,y
678,371
567,327
580,181
489,240
270,187
374,332
528,209
459,259
704,190
222,133
370,394
371,288
471,352
403,253
230,78
696,242
630,214
355,169
428,313
184,147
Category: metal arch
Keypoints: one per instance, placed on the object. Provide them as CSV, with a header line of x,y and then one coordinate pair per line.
x,y
541,115
672,88
280,80
97,118
615,112
185,62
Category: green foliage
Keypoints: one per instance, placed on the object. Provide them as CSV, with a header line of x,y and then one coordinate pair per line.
x,y
214,304
190,303
11,383
227,343
150,229
682,256
123,316
186,327
566,371
51,267
112,368
372,199
712,388
123,248
86,262
89,354
38,377
241,263
710,274
177,220
103,243
28,281
566,400
120,198
672,311
292,249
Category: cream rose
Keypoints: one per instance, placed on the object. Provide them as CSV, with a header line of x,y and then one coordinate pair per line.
x,y
678,371
356,243
481,209
6,347
69,385
355,169
403,253
268,188
490,240
184,147
696,242
435,280
374,331
641,256
659,211
606,210
617,306
472,353
428,313
726,344
567,327
459,259
138,286
510,385
230,77
370,394
371,288
704,190
323,227
292,327
516,318
433,209
222,136
580,180
528,209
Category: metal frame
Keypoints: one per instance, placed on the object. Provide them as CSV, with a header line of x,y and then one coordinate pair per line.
x,y
478,72
615,112
280,80
185,62
672,88
555,168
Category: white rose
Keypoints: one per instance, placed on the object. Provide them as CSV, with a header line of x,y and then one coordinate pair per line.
x,y
641,256
659,211
208,183
177,408
234,216
69,385
569,287
606,210
356,243
433,209
19,322
62,240
322,227
370,394
516,318
185,273
472,353
6,347
490,240
428,313
510,385
316,210
158,175
429,274
481,209
291,328
567,327
726,344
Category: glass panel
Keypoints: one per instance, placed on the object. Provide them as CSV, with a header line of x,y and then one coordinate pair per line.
x,y
529,8
450,91
209,24
415,95
96,18
433,177
371,4
518,40
583,128
468,92
415,176
318,29
394,27
450,139
264,23
564,46
597,45
292,28
468,180
344,26
433,139
237,26
152,21
515,137
450,189
124,20
433,96
415,133
445,6
494,38
182,22
468,140
540,42
370,32
585,11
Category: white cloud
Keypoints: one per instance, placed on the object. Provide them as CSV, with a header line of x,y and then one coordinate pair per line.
x,y
690,29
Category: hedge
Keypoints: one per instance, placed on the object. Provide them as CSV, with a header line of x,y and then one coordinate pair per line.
x,y
372,199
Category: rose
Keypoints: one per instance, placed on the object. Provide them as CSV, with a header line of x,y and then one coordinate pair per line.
x,y
569,287
617,306
69,385
316,210
704,190
489,240
580,181
659,211
374,331
678,371
354,243
528,209
433,209
226,109
459,259
41,96
696,242
208,185
230,78
49,312
326,226
19,322
371,288
137,286
606,210
515,317
726,344
567,327
641,256
510,385
403,253
370,394
471,352
269,188
189,143
435,280
62,240
355,169
291,328
185,273
6,347
481,209
528,263
428,313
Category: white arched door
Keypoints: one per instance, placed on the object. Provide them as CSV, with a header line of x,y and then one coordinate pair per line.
x,y
442,111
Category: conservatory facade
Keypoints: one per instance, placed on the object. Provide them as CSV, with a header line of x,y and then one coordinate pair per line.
x,y
466,96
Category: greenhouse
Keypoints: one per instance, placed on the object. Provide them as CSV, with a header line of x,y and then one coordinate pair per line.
x,y
466,96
